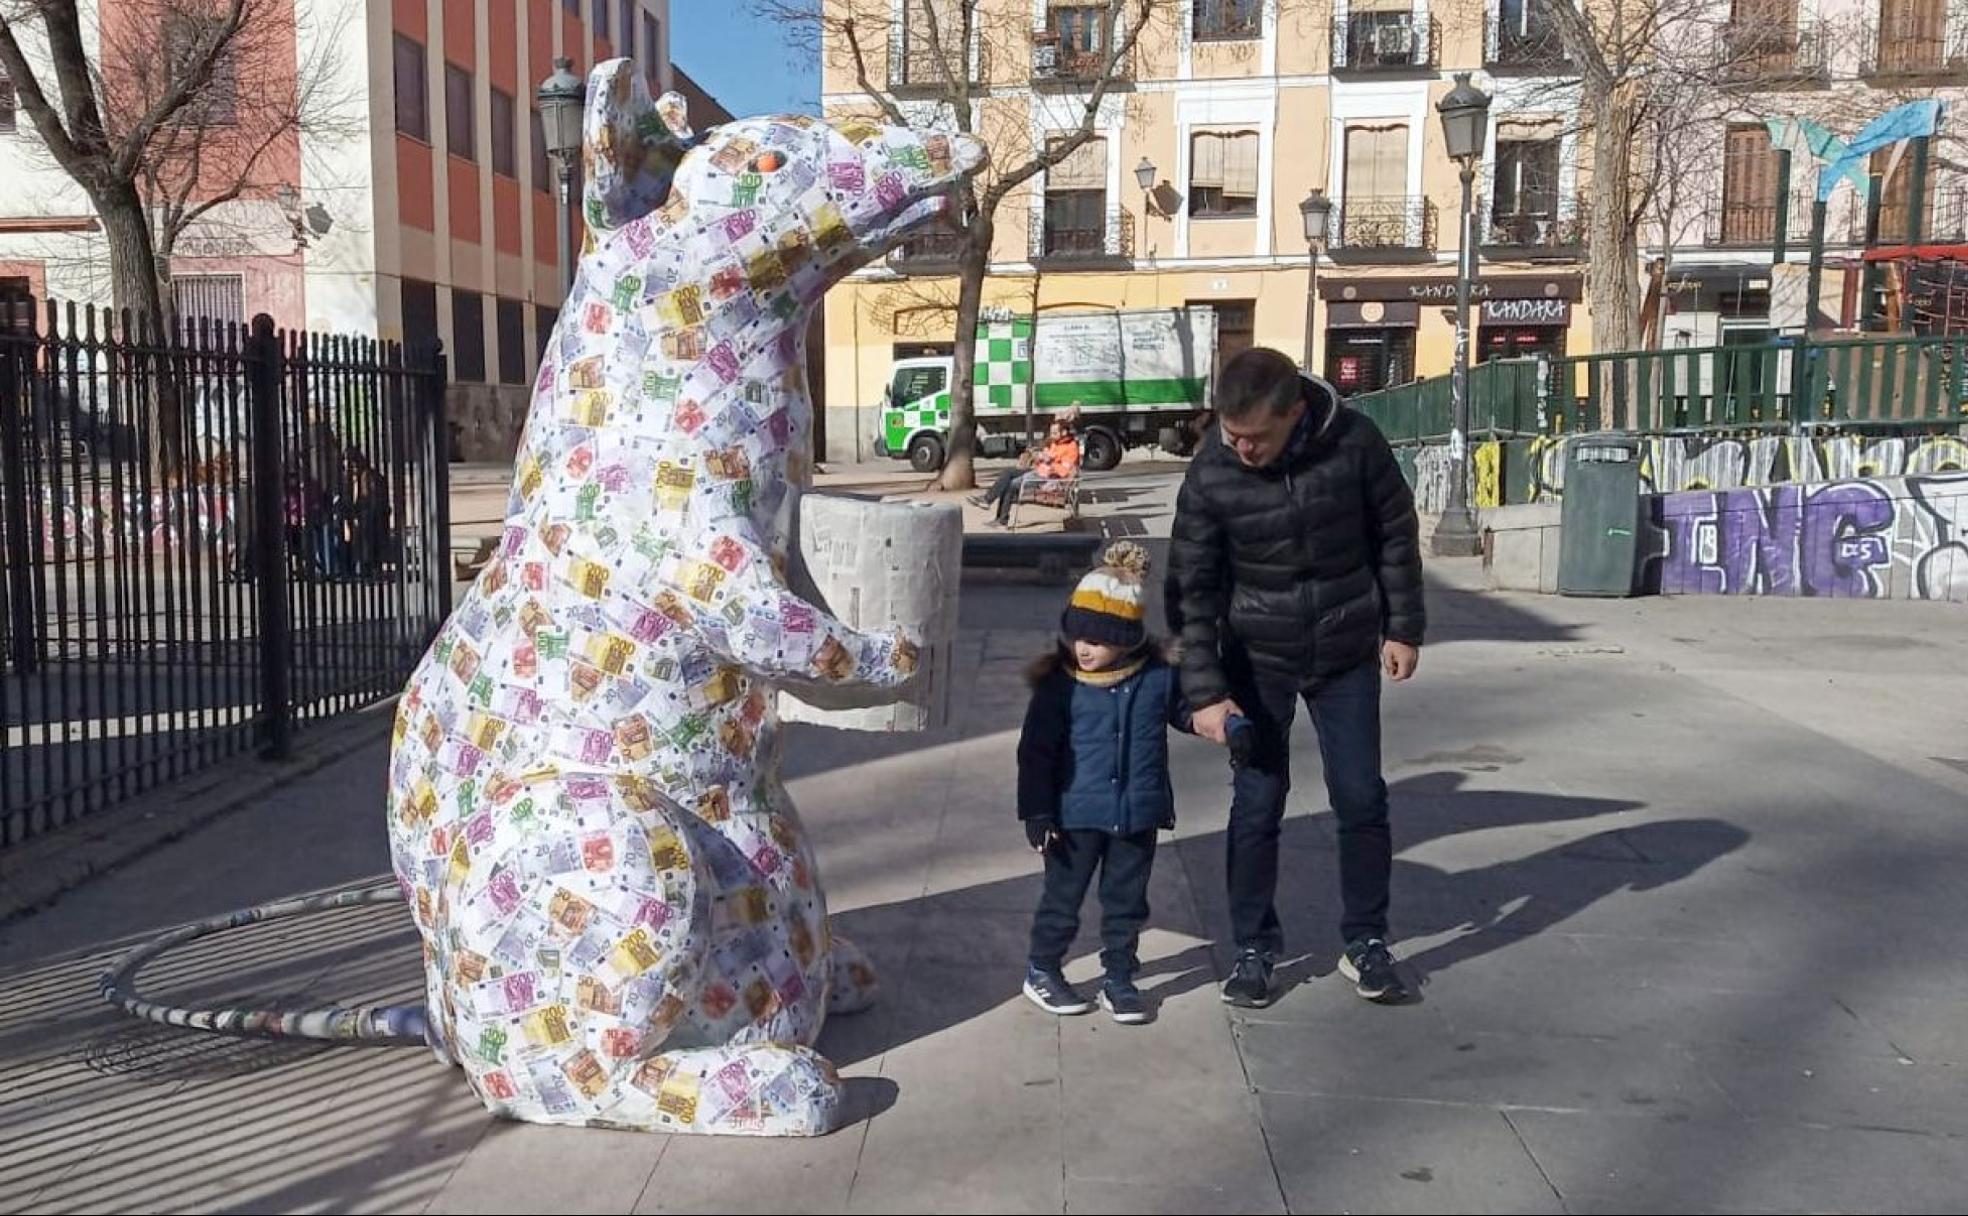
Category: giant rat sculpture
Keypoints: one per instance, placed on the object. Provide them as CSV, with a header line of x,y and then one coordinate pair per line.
x,y
621,918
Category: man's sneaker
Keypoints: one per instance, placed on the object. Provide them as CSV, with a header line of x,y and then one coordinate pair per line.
x,y
1370,965
1249,985
1122,999
1050,992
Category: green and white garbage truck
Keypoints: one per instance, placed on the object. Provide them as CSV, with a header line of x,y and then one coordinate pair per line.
x,y
1136,376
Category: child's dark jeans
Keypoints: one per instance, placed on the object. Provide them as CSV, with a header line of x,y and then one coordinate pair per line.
x,y
1124,864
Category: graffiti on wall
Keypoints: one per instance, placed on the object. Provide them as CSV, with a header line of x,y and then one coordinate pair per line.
x,y
98,520
1671,464
1876,538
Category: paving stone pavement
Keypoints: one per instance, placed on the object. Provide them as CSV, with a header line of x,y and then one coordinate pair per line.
x,y
1680,882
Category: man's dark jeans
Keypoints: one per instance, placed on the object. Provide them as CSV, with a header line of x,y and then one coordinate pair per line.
x,y
1346,712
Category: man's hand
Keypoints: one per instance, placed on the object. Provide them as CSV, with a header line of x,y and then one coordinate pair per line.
x,y
1212,721
1398,659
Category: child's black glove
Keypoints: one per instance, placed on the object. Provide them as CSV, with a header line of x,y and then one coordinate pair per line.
x,y
1038,832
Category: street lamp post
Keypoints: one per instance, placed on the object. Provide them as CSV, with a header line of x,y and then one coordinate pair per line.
x,y
562,97
1465,114
1316,211
1144,174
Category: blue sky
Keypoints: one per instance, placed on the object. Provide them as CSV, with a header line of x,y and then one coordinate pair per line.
x,y
742,59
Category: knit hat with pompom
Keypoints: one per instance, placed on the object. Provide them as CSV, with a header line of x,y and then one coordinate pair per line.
x,y
1107,605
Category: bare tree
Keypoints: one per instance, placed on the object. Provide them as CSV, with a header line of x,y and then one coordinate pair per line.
x,y
241,137
950,51
1682,144
185,107
100,129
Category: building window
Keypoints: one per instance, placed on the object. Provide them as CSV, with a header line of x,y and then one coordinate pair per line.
x,y
543,323
1368,360
412,101
1374,210
1383,34
8,116
1218,20
1076,202
629,28
218,298
601,24
573,6
505,151
419,317
16,304
652,52
1526,35
1896,199
1223,173
1912,35
460,122
186,36
1761,38
542,163
1749,186
1080,29
468,335
1526,182
512,342
919,64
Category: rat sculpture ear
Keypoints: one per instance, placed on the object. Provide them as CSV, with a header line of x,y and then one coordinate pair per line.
x,y
631,146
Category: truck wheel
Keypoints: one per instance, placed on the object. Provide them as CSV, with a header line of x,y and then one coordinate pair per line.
x,y
1102,449
1173,440
925,453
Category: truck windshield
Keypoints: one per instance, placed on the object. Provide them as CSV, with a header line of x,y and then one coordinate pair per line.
x,y
915,383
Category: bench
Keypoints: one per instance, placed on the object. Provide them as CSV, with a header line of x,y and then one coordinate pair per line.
x,y
1055,555
1061,494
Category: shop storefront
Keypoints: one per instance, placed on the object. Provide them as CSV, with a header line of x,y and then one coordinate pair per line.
x,y
1522,328
1381,331
1370,345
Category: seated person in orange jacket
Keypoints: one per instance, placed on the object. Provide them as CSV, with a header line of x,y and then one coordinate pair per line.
x,y
1058,460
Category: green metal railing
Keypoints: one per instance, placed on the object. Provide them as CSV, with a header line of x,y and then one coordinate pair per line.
x,y
1776,385
1503,401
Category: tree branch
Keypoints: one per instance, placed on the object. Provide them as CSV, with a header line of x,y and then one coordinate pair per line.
x,y
1057,151
180,88
887,103
27,88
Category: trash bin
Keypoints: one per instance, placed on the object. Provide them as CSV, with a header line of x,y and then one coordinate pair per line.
x,y
1599,546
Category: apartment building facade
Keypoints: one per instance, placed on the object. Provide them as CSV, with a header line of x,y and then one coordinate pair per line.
x,y
424,209
1840,63
1241,108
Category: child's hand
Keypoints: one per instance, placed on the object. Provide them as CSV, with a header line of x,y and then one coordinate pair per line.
x,y
1040,833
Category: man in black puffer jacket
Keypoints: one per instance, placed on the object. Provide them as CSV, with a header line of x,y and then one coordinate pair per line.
x,y
1296,572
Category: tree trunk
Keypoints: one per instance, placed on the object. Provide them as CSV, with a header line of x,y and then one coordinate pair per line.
x,y
132,253
135,288
960,460
1613,271
1612,274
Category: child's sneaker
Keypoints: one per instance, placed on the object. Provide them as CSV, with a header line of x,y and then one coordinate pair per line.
x,y
1050,992
1122,999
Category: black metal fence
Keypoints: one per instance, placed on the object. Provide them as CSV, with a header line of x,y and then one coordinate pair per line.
x,y
213,536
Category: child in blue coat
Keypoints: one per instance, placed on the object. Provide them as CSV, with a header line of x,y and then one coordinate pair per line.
x,y
1093,781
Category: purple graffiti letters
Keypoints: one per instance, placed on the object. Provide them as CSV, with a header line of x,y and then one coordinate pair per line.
x,y
1847,538
1737,542
1833,540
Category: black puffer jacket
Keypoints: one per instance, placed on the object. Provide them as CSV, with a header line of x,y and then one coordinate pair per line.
x,y
1304,565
